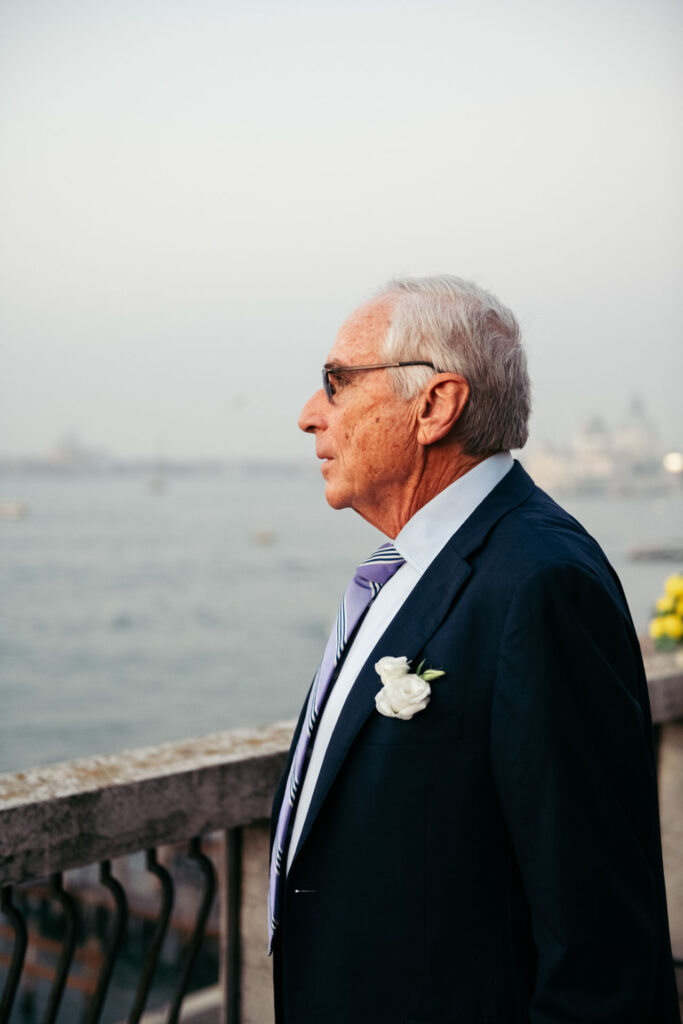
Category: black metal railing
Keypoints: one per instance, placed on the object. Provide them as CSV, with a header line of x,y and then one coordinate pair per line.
x,y
96,992
149,966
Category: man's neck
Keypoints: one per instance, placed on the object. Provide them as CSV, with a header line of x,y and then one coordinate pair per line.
x,y
435,475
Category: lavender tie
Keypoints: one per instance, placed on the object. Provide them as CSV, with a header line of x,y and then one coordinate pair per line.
x,y
370,577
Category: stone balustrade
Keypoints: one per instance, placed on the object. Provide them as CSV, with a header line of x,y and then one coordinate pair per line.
x,y
92,810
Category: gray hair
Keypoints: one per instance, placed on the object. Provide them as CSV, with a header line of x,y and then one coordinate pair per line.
x,y
461,328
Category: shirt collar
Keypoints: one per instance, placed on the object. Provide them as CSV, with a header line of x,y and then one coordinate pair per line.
x,y
432,526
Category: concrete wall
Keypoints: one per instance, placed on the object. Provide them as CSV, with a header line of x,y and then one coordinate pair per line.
x,y
257,971
671,814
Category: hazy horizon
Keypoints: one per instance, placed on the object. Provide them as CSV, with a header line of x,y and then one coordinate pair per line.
x,y
193,197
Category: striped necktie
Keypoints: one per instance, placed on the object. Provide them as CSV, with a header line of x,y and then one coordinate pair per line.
x,y
370,577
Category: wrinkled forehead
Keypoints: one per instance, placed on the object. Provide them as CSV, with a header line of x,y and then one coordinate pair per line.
x,y
361,336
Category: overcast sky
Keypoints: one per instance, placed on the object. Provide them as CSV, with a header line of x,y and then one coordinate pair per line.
x,y
193,195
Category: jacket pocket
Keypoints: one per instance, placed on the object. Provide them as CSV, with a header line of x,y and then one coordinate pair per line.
x,y
423,730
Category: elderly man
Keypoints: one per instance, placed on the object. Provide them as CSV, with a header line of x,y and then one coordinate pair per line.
x,y
467,829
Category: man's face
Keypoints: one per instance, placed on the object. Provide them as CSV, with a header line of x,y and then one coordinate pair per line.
x,y
365,435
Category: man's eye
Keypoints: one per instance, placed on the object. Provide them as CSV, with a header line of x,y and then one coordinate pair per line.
x,y
336,382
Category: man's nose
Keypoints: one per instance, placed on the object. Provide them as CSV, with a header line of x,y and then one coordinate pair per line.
x,y
312,416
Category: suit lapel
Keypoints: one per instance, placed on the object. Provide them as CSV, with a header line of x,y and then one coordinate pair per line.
x,y
412,626
415,622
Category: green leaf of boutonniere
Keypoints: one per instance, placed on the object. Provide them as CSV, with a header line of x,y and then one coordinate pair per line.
x,y
430,674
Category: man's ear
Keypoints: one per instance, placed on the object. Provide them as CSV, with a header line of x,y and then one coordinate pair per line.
x,y
441,405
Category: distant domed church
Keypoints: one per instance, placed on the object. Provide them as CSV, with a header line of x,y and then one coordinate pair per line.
x,y
636,436
627,459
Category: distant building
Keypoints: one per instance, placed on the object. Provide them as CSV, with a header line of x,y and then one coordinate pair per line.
x,y
71,454
625,460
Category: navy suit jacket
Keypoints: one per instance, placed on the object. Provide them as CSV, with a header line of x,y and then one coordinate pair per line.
x,y
496,859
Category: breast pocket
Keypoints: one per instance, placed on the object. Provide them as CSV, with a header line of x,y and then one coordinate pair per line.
x,y
425,728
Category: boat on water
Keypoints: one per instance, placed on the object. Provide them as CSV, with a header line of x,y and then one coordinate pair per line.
x,y
657,552
13,509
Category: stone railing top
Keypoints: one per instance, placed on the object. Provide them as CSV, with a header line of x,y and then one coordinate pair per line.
x,y
87,774
68,815
665,682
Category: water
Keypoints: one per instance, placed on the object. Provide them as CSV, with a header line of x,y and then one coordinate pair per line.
x,y
129,617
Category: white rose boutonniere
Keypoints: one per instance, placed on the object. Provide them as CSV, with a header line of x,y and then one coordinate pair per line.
x,y
403,692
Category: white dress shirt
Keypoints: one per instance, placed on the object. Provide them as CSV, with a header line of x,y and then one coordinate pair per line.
x,y
419,542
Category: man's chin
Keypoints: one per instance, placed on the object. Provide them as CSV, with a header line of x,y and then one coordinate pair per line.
x,y
334,497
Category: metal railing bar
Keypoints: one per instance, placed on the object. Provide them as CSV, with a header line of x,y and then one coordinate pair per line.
x,y
152,959
117,936
207,869
68,905
233,1009
16,919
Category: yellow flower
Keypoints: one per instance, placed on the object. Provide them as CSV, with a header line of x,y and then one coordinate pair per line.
x,y
673,626
674,586
665,604
657,627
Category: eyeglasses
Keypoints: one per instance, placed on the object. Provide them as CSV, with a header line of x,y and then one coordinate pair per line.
x,y
328,386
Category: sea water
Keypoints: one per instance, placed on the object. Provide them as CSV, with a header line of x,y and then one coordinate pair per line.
x,y
132,614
